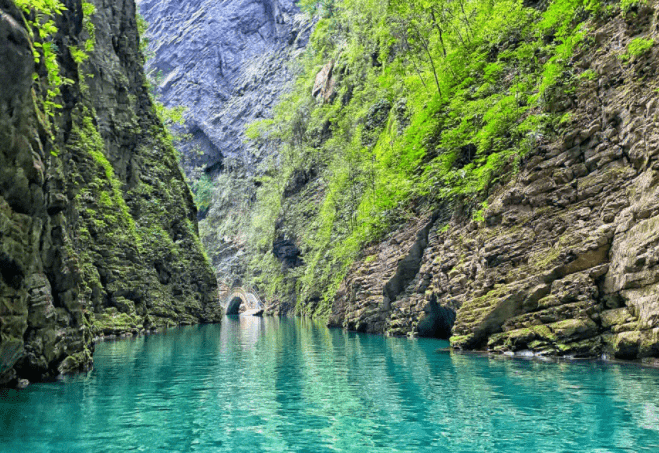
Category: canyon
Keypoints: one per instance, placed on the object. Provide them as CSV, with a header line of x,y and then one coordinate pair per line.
x,y
507,202
562,259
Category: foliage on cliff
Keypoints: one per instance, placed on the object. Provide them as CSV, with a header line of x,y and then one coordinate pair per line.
x,y
41,17
404,105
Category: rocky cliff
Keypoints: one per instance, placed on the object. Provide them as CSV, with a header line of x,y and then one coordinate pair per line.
x,y
561,257
227,63
98,232
564,260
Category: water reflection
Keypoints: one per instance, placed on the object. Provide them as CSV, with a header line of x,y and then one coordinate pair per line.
x,y
291,385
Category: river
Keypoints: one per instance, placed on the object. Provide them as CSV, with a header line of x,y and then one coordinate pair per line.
x,y
290,385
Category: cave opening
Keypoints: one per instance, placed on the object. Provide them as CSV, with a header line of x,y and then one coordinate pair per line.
x,y
437,322
10,271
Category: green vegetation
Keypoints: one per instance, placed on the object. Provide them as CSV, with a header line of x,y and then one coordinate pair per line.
x,y
433,101
637,47
112,207
479,215
627,5
142,26
325,8
203,193
170,116
40,16
81,55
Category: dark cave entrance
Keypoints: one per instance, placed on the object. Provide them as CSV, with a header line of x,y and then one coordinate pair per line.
x,y
437,322
233,308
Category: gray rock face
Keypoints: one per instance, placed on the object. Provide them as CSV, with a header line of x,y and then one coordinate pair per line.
x,y
227,62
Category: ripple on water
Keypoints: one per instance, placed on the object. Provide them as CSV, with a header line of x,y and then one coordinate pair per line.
x,y
285,385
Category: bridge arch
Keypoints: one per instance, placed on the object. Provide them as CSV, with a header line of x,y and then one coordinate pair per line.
x,y
240,300
233,307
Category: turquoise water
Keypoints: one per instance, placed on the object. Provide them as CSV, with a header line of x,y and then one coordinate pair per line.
x,y
255,385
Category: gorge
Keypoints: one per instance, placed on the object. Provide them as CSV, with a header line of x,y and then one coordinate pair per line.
x,y
506,200
478,178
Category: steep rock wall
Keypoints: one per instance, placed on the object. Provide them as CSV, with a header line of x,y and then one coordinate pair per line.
x,y
565,260
98,231
227,63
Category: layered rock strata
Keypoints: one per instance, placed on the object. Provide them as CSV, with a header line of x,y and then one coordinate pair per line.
x,y
565,261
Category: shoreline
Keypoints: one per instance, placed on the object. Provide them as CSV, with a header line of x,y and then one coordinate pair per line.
x,y
649,362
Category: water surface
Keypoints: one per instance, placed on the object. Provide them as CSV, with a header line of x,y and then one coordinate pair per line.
x,y
288,385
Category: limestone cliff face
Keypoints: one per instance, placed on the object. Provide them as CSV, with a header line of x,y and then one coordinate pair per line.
x,y
566,260
98,232
228,63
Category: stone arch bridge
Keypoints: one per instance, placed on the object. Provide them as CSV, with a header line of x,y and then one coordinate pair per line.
x,y
242,301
